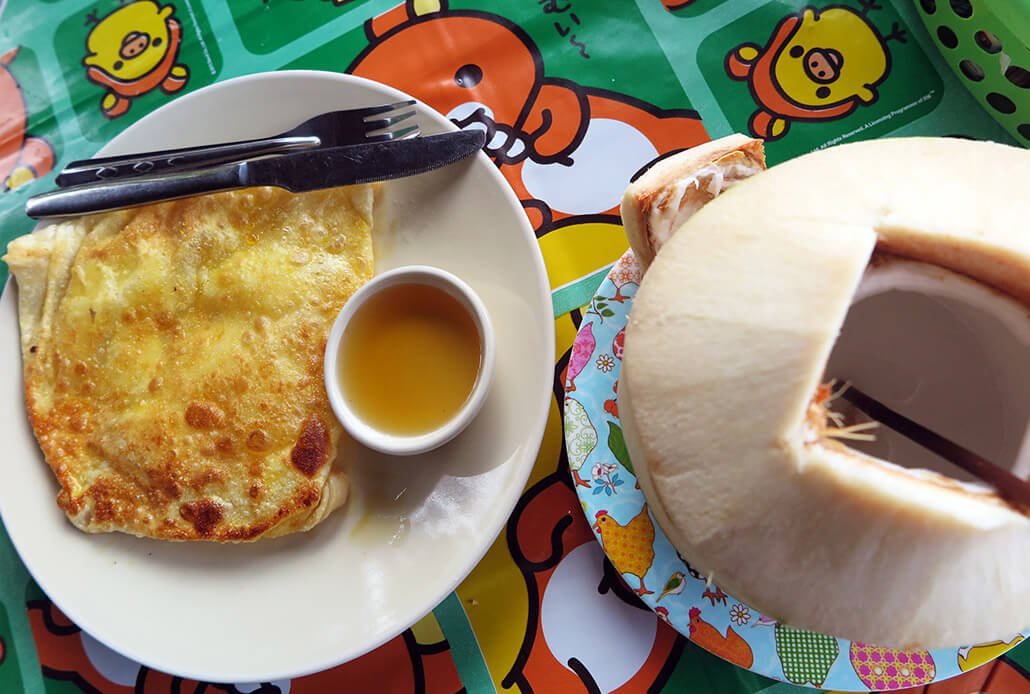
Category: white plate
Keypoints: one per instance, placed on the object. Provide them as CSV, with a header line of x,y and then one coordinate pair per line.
x,y
303,603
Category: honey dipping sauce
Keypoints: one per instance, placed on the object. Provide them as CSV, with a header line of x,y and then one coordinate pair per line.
x,y
408,359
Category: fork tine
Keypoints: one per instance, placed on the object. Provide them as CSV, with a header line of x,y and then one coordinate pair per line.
x,y
373,110
401,134
387,121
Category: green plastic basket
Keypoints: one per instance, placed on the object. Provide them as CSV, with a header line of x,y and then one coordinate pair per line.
x,y
987,44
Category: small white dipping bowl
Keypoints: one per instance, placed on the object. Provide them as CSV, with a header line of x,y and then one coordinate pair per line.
x,y
410,445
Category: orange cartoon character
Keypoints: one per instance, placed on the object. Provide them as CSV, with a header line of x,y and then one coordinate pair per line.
x,y
566,574
22,158
567,149
819,65
403,664
132,51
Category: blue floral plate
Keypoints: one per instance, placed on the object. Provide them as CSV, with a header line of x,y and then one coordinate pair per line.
x,y
603,477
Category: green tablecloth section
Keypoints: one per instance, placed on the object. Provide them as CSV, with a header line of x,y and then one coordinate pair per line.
x,y
577,96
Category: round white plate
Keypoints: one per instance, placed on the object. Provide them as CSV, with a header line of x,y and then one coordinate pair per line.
x,y
413,528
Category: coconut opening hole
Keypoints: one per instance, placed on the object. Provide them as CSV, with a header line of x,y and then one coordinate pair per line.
x,y
944,351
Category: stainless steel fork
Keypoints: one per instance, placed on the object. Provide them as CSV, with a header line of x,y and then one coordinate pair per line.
x,y
349,127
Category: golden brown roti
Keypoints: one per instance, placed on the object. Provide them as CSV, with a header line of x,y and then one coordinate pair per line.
x,y
173,359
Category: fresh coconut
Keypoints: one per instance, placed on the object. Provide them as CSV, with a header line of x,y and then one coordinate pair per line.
x,y
727,418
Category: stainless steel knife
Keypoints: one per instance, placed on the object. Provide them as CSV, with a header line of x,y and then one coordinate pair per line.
x,y
297,172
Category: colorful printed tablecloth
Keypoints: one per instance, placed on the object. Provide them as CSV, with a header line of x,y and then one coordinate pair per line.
x,y
576,96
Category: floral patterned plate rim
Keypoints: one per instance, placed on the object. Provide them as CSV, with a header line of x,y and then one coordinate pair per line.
x,y
603,477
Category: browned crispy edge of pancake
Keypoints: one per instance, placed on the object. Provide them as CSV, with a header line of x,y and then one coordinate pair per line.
x,y
308,455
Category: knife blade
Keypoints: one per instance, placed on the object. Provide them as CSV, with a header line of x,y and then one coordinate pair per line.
x,y
297,172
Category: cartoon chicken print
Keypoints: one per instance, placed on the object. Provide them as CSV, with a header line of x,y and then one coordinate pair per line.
x,y
619,343
729,646
580,438
806,657
582,350
970,657
819,65
611,406
623,274
886,668
22,158
132,51
617,444
630,546
715,596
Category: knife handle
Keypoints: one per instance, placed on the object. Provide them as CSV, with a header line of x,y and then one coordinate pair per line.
x,y
105,169
141,190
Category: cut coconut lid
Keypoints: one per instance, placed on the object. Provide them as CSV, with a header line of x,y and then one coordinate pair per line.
x,y
726,348
655,205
